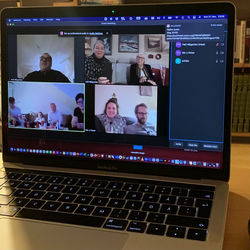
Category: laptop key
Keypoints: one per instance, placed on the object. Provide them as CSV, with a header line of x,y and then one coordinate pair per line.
x,y
51,196
102,211
82,199
115,224
118,203
99,201
115,185
12,183
14,176
101,192
27,177
84,209
151,207
119,213
179,191
20,192
187,221
35,203
55,188
68,218
197,234
169,199
51,205
86,191
137,226
67,207
118,194
162,190
134,196
157,229
70,181
187,211
131,187
146,188
40,186
204,208
185,201
20,202
36,194
8,210
137,215
84,182
41,178
70,189
155,217
169,209
150,197
25,185
67,197
55,180
135,205
100,184
176,232
201,194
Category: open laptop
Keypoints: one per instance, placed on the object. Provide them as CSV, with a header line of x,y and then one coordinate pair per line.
x,y
116,126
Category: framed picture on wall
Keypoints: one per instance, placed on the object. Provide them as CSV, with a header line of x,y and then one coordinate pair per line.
x,y
153,43
128,43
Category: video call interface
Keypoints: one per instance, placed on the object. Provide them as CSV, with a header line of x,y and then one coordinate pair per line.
x,y
131,89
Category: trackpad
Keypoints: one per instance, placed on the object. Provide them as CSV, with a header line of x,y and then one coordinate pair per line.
x,y
29,235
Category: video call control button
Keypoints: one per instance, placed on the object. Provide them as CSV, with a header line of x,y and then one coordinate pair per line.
x,y
210,146
193,145
178,144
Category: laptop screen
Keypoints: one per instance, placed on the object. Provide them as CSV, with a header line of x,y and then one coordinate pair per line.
x,y
142,88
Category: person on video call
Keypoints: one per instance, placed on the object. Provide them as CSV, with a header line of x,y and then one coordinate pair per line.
x,y
141,73
78,118
98,69
46,74
111,121
54,116
141,127
15,114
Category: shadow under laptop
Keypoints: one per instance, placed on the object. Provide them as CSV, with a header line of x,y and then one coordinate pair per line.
x,y
237,238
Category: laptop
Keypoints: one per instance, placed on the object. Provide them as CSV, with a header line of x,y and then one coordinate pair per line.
x,y
116,126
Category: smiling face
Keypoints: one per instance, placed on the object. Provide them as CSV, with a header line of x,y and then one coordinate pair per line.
x,y
111,110
45,62
140,59
99,50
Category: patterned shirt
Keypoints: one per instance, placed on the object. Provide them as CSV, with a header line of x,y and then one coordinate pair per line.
x,y
95,68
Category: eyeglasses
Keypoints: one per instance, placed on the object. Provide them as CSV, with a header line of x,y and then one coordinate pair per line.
x,y
45,58
79,102
142,113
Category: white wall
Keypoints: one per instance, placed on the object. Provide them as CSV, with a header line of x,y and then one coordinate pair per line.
x,y
34,97
31,47
128,97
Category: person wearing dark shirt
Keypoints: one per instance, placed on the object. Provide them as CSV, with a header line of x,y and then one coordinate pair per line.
x,y
46,74
98,69
78,118
141,73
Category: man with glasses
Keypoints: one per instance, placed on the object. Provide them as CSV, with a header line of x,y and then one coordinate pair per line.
x,y
141,127
46,74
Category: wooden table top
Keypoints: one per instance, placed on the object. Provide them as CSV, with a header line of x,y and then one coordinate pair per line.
x,y
236,233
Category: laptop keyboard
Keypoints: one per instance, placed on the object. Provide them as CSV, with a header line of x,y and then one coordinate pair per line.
x,y
140,206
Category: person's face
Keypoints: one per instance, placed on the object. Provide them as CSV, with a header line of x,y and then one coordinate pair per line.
x,y
140,60
12,105
111,110
99,50
45,62
53,107
142,115
40,115
80,103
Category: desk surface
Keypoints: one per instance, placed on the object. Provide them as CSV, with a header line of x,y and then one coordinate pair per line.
x,y
236,236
